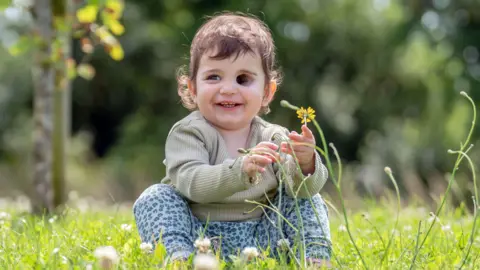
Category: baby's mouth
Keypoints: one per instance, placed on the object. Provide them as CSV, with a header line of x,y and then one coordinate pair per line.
x,y
228,104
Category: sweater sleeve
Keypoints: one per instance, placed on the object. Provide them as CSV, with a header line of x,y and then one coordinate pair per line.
x,y
189,169
312,184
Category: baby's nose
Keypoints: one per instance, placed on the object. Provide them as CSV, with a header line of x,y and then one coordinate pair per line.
x,y
228,89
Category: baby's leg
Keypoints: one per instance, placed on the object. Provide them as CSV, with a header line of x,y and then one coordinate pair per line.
x,y
160,212
316,232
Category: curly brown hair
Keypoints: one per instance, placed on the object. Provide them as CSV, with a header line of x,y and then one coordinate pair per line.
x,y
230,33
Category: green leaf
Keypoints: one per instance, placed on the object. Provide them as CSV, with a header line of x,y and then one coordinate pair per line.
x,y
23,45
4,4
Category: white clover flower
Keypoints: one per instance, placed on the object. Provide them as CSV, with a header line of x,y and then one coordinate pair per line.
x,y
203,245
250,253
342,228
146,247
205,262
126,227
283,244
107,256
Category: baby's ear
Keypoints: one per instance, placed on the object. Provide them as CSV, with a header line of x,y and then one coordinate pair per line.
x,y
269,92
191,89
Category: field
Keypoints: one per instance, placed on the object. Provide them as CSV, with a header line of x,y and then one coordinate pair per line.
x,y
71,241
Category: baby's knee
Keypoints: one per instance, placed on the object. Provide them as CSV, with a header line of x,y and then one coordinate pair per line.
x,y
158,194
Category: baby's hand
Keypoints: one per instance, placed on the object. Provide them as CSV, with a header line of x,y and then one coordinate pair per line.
x,y
260,156
305,153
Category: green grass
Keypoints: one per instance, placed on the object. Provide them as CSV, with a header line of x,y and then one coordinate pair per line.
x,y
69,242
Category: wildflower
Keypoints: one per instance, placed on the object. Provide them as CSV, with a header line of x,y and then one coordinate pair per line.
x,y
433,217
250,253
407,228
366,215
126,227
342,228
4,216
307,115
205,262
146,247
203,245
446,228
55,250
107,255
283,244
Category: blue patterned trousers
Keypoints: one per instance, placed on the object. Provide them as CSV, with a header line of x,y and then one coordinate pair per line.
x,y
161,212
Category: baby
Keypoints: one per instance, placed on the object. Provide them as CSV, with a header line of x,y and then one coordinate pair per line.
x,y
223,156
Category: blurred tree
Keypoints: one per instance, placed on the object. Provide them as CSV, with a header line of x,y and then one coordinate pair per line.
x,y
49,36
383,76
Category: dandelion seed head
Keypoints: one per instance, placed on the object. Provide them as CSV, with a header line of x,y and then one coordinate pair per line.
x,y
107,256
126,227
146,247
283,244
203,245
250,253
205,262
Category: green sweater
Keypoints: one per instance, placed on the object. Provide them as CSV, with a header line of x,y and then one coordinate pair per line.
x,y
199,167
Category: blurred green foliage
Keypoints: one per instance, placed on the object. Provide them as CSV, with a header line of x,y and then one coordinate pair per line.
x,y
383,75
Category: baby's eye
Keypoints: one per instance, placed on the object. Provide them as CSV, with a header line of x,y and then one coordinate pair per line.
x,y
243,79
213,77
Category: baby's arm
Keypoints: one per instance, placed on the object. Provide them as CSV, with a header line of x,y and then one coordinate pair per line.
x,y
188,167
294,175
313,183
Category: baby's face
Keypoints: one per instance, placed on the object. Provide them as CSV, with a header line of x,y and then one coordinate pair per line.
x,y
229,92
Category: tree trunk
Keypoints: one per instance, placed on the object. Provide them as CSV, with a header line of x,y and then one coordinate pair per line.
x,y
61,130
43,81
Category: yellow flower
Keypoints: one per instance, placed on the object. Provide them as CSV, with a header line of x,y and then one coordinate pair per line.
x,y
116,27
307,115
87,14
116,52
115,8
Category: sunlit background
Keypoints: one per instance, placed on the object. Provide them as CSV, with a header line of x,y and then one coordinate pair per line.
x,y
384,77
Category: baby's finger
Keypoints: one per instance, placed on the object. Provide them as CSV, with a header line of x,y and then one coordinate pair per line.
x,y
296,137
307,133
260,160
252,169
269,145
268,152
